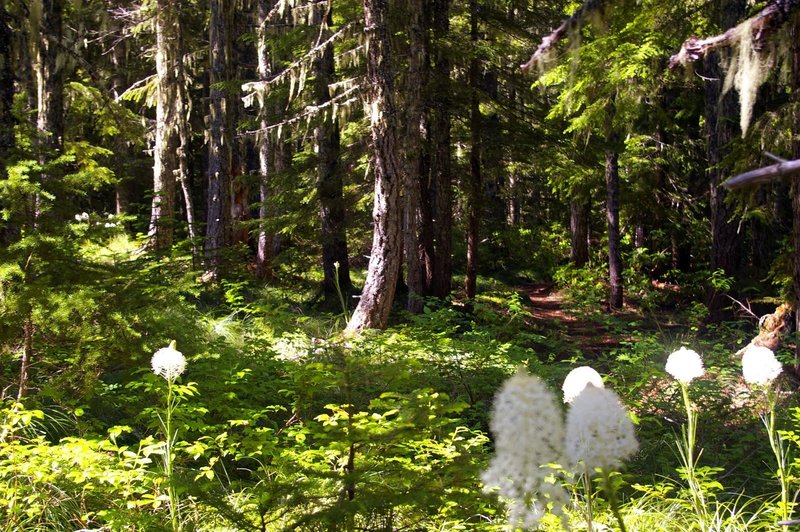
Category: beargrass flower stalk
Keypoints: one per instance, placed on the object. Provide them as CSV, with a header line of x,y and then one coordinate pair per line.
x,y
759,369
685,365
599,437
575,382
169,363
528,431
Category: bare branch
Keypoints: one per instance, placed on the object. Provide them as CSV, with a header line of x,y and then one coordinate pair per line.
x,y
549,41
765,22
763,175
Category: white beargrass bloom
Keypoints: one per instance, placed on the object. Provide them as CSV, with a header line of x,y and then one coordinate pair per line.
x,y
578,379
685,365
168,362
599,432
759,365
528,434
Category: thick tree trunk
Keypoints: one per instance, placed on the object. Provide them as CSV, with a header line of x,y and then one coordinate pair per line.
x,y
219,171
417,250
612,215
335,261
263,238
167,135
579,211
720,131
384,264
474,181
50,77
440,194
6,91
795,189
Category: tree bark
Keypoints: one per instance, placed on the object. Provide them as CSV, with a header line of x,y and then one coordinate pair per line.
x,y
579,211
474,182
50,78
440,194
6,91
263,238
615,299
219,171
335,261
418,244
384,264
720,131
795,189
167,136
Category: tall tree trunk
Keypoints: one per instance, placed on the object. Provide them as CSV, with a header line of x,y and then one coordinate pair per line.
x,y
263,238
384,264
440,194
418,260
50,77
720,131
167,135
474,182
612,215
330,188
218,143
6,91
9,229
795,189
579,210
239,185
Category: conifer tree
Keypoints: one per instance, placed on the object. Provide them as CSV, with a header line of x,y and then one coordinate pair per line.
x,y
383,271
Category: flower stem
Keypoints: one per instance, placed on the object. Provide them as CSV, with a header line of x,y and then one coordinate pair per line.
x,y
687,452
776,444
587,488
170,440
611,494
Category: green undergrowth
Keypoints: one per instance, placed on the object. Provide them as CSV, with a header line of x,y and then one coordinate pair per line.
x,y
284,424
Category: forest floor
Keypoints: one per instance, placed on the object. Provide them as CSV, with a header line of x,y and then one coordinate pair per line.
x,y
591,332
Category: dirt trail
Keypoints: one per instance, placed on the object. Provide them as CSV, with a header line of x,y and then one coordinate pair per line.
x,y
586,333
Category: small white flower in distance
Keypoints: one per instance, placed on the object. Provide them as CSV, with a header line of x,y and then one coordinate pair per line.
x,y
685,365
759,365
528,434
168,362
578,379
599,432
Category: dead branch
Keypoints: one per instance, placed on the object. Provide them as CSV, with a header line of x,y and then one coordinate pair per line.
x,y
763,24
763,175
771,329
577,18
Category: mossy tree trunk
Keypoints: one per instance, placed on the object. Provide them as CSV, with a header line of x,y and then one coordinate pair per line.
x,y
379,289
167,135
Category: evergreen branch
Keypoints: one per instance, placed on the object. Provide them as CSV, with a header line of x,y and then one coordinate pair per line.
x,y
764,23
306,60
349,96
575,21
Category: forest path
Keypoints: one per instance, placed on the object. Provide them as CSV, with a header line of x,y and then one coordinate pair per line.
x,y
579,332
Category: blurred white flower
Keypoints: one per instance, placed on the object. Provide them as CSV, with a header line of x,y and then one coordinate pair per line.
x,y
528,434
82,217
685,365
578,379
599,432
168,362
759,365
